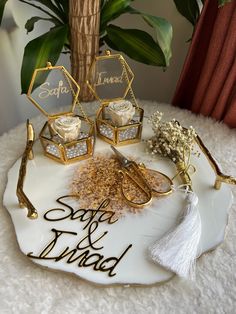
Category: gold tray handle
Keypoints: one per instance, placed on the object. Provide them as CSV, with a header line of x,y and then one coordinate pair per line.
x,y
28,154
220,177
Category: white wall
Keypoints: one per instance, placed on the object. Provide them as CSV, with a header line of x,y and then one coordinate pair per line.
x,y
150,82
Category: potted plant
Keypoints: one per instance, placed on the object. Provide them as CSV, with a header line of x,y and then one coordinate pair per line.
x,y
83,27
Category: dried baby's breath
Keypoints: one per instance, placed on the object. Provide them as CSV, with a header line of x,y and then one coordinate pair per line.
x,y
171,139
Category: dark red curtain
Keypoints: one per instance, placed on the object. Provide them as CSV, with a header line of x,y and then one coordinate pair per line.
x,y
207,84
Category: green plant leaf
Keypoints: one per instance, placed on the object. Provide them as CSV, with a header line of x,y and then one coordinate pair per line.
x,y
111,10
189,9
2,7
29,26
65,5
51,10
102,3
163,31
51,6
110,43
221,3
136,44
46,47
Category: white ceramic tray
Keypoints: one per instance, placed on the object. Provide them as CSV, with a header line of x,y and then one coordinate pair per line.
x,y
119,250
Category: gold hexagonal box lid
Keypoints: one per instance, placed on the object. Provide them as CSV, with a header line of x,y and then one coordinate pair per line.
x,y
66,137
119,118
52,89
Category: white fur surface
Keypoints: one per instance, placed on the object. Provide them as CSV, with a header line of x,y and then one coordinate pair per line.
x,y
27,288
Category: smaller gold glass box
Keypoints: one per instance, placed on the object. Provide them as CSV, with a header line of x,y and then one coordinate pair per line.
x,y
67,136
119,118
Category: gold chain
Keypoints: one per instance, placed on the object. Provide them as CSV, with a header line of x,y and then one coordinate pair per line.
x,y
123,62
73,92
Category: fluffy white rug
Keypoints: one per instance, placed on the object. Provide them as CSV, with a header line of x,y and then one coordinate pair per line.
x,y
26,288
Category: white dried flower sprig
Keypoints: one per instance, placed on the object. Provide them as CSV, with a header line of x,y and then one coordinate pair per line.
x,y
171,139
177,250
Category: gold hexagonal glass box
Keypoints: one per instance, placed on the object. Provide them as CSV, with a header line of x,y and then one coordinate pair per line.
x,y
119,117
68,134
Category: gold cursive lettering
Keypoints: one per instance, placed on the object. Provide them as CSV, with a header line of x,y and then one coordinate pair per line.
x,y
103,79
84,259
57,91
82,252
83,215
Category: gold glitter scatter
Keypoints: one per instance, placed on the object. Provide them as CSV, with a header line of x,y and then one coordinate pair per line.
x,y
98,179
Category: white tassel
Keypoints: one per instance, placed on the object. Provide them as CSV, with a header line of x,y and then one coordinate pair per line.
x,y
178,249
